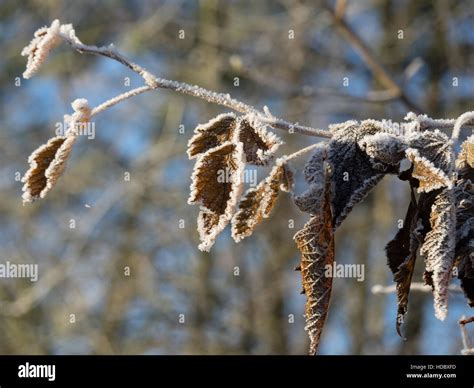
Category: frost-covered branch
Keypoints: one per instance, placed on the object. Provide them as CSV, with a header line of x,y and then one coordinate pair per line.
x,y
46,38
155,82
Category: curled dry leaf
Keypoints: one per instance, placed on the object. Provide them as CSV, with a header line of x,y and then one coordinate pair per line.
x,y
47,164
316,244
431,154
402,249
259,145
258,202
401,255
44,40
216,185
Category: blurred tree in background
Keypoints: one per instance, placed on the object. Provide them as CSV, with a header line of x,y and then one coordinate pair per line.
x,y
128,278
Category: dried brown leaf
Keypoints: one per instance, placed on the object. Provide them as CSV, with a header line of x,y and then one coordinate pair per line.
x,y
216,185
215,132
316,244
259,144
258,202
47,163
401,255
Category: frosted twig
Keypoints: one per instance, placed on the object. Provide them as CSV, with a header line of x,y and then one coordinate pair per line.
x,y
155,82
426,122
303,151
67,33
460,121
115,100
379,289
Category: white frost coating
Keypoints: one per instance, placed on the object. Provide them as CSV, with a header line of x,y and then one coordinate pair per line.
x,y
439,248
115,100
344,125
80,105
460,121
204,127
67,32
44,40
269,138
442,178
424,122
208,237
386,147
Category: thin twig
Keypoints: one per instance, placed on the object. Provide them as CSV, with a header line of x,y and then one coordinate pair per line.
x,y
460,122
303,151
107,104
426,122
153,82
379,289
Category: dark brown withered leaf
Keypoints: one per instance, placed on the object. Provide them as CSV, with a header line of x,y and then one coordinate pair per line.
x,y
401,254
316,244
258,202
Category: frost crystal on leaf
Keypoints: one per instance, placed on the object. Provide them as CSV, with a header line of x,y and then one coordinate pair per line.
x,y
431,154
259,144
44,40
316,244
258,202
216,185
383,148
